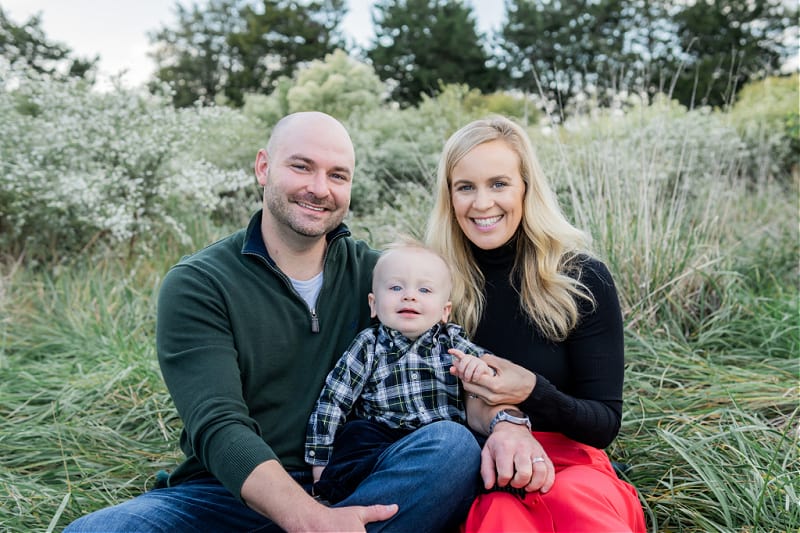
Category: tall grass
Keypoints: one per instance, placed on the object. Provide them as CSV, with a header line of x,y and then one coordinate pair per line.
x,y
704,256
86,419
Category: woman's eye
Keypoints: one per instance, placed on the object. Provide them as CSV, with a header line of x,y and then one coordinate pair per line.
x,y
464,188
499,184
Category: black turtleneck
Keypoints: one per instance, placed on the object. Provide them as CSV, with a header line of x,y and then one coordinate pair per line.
x,y
578,388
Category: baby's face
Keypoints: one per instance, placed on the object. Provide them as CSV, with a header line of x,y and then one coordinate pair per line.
x,y
410,291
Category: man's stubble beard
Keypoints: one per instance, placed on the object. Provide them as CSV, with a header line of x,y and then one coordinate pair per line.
x,y
279,206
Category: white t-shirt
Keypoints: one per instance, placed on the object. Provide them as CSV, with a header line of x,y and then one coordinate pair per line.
x,y
308,289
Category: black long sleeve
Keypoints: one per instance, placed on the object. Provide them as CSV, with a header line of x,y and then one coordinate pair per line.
x,y
579,380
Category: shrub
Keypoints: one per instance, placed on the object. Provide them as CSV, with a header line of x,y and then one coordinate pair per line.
x,y
767,117
339,86
82,169
513,105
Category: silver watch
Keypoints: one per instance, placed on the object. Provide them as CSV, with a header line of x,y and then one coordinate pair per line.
x,y
515,416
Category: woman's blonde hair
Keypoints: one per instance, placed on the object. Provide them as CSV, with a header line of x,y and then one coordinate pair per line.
x,y
547,245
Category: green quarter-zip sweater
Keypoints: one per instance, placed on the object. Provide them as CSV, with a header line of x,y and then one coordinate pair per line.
x,y
243,355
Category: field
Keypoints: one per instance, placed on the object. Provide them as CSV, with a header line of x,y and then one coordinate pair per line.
x,y
694,211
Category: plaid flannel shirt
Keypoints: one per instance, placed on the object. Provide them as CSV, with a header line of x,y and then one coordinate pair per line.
x,y
387,378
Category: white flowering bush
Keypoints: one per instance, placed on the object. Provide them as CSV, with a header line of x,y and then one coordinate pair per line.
x,y
81,170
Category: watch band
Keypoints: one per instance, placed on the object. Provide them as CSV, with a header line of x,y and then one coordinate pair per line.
x,y
510,415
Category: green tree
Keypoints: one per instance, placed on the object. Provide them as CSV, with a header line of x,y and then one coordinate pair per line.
x,y
725,44
699,52
27,45
280,36
420,44
195,58
558,48
229,47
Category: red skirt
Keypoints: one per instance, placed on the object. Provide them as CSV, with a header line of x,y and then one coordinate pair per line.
x,y
587,496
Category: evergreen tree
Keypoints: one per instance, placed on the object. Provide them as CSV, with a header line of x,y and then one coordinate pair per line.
x,y
420,44
726,43
558,48
699,52
280,36
195,58
235,46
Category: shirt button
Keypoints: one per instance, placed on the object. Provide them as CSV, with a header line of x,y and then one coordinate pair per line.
x,y
312,453
414,375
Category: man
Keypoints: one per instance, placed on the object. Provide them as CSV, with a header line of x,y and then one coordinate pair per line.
x,y
247,330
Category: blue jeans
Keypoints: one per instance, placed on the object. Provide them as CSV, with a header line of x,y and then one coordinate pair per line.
x,y
432,474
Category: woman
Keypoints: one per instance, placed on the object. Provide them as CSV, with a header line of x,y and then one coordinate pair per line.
x,y
526,288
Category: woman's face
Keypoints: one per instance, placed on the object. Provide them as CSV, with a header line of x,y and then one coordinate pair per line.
x,y
487,192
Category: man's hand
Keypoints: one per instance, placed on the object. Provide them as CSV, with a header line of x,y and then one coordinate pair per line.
x,y
270,491
508,456
348,519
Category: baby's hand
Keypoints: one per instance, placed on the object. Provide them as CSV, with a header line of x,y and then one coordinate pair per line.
x,y
316,472
468,367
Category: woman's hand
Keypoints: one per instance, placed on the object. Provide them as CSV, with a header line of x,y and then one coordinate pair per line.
x,y
512,384
512,456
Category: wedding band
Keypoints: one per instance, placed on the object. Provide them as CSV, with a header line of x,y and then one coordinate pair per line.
x,y
537,460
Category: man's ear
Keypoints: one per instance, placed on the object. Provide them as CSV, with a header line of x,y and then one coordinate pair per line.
x,y
262,166
446,312
373,310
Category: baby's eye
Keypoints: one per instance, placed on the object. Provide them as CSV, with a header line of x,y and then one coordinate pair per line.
x,y
395,288
425,290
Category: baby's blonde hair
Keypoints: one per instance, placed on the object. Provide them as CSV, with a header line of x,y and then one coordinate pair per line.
x,y
406,242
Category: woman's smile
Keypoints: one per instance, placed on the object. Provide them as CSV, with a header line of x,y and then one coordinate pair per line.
x,y
487,192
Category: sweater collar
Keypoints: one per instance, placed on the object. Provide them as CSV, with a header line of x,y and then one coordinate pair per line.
x,y
254,242
500,257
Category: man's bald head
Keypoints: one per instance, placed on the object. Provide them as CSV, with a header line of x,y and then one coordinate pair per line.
x,y
307,123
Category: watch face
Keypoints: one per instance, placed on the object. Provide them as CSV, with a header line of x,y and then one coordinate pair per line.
x,y
515,412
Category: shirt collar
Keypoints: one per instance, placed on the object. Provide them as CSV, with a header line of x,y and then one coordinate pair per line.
x,y
386,335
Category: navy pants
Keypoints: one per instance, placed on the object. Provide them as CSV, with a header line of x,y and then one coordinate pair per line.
x,y
356,449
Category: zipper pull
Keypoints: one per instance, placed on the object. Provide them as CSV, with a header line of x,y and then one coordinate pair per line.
x,y
314,322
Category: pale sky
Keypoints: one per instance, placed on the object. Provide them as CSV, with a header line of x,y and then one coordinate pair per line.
x,y
116,30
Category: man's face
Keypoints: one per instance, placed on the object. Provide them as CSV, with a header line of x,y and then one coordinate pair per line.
x,y
308,176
